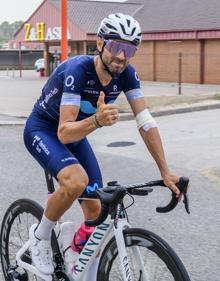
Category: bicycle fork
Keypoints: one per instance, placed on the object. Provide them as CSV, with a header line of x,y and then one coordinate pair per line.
x,y
123,256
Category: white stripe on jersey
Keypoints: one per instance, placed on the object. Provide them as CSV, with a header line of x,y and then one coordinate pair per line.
x,y
70,99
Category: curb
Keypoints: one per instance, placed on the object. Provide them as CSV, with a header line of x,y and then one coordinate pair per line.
x,y
159,113
17,121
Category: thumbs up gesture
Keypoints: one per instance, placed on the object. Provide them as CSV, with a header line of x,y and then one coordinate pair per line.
x,y
101,100
107,114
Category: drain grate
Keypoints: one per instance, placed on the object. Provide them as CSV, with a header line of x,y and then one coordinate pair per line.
x,y
120,143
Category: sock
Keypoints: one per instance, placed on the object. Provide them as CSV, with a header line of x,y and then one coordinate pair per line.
x,y
44,229
91,274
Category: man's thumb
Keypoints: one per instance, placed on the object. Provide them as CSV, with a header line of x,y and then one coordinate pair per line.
x,y
101,99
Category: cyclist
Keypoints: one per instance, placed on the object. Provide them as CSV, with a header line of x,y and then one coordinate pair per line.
x,y
77,99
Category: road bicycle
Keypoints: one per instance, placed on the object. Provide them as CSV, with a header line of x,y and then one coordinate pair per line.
x,y
131,254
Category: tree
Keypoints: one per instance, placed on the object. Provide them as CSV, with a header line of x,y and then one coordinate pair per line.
x,y
7,30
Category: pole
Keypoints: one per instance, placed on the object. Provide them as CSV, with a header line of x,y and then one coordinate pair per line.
x,y
180,74
64,43
20,60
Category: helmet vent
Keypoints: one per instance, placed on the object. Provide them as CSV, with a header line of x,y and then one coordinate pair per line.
x,y
133,30
123,29
128,22
110,26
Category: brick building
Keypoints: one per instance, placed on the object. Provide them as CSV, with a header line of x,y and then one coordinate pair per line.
x,y
170,28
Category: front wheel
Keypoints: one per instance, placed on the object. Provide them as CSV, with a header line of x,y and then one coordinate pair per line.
x,y
14,233
150,259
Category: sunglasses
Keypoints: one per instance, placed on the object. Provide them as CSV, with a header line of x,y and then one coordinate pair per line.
x,y
116,47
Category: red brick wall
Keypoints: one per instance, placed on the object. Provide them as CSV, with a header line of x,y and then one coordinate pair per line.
x,y
164,66
212,62
143,61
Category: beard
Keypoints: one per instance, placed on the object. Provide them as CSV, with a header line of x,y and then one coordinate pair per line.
x,y
115,65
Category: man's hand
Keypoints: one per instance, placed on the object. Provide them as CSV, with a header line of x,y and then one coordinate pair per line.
x,y
107,114
170,181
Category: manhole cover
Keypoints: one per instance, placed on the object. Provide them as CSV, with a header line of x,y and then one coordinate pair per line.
x,y
121,143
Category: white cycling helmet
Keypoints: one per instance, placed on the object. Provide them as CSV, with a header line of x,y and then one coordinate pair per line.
x,y
120,26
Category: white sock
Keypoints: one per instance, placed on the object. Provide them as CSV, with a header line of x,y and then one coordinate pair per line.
x,y
91,274
44,229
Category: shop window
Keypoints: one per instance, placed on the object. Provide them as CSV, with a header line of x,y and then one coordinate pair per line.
x,y
91,50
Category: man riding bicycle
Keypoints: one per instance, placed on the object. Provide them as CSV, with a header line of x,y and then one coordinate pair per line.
x,y
77,99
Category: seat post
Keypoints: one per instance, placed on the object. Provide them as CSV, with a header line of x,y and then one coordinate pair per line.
x,y
50,183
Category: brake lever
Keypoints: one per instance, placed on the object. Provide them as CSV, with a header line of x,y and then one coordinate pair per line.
x,y
186,202
182,186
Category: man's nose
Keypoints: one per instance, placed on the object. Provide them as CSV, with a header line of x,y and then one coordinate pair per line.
x,y
121,55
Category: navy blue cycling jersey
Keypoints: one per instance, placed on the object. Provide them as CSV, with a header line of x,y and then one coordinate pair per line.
x,y
75,82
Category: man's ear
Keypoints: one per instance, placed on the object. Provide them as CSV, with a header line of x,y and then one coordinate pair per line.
x,y
99,44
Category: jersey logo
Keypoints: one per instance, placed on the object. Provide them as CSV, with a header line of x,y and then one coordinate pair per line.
x,y
91,189
91,82
115,88
136,76
69,82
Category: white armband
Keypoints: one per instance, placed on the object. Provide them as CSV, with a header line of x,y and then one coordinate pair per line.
x,y
145,120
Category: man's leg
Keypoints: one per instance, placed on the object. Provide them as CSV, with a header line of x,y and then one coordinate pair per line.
x,y
62,164
86,157
72,182
91,208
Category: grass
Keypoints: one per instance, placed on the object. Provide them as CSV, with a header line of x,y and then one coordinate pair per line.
x,y
217,96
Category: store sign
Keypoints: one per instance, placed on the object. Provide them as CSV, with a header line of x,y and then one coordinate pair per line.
x,y
39,33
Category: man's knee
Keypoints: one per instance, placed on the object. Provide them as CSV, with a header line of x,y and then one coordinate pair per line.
x,y
73,181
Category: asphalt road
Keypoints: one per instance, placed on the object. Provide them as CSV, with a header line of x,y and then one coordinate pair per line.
x,y
192,146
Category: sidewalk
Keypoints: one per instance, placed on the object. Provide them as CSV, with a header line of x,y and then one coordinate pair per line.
x,y
17,96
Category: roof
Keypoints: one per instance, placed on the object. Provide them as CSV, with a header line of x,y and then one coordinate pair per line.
x,y
88,14
179,15
153,15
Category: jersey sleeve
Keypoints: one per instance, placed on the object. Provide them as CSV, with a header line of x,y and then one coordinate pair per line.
x,y
73,83
131,84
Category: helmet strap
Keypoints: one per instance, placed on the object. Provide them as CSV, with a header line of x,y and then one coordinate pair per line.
x,y
105,66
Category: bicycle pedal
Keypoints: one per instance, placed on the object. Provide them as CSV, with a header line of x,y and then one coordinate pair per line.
x,y
17,273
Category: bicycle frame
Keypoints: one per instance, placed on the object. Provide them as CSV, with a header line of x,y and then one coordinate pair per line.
x,y
90,251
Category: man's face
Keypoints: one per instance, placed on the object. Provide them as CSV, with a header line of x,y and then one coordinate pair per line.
x,y
115,54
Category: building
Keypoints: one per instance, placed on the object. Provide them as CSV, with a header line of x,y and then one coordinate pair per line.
x,y
181,38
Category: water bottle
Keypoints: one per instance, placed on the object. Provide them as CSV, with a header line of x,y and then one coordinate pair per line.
x,y
67,233
78,242
81,236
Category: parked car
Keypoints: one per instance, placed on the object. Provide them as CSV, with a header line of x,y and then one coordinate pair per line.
x,y
39,64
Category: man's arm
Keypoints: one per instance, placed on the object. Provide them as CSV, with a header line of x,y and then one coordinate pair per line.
x,y
153,142
70,130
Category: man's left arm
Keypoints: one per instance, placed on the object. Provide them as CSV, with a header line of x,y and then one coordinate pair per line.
x,y
149,132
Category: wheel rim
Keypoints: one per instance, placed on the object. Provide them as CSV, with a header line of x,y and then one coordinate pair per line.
x,y
153,258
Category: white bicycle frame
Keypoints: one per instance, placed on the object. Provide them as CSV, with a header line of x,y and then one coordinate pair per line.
x,y
90,251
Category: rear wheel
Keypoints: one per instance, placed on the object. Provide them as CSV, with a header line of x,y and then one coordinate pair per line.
x,y
14,234
159,261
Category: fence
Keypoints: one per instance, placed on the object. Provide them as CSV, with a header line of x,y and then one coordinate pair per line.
x,y
12,59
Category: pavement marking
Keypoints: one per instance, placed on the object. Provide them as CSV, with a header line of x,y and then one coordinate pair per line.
x,y
211,173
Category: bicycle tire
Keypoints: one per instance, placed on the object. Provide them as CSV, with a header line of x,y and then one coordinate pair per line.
x,y
14,213
169,267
